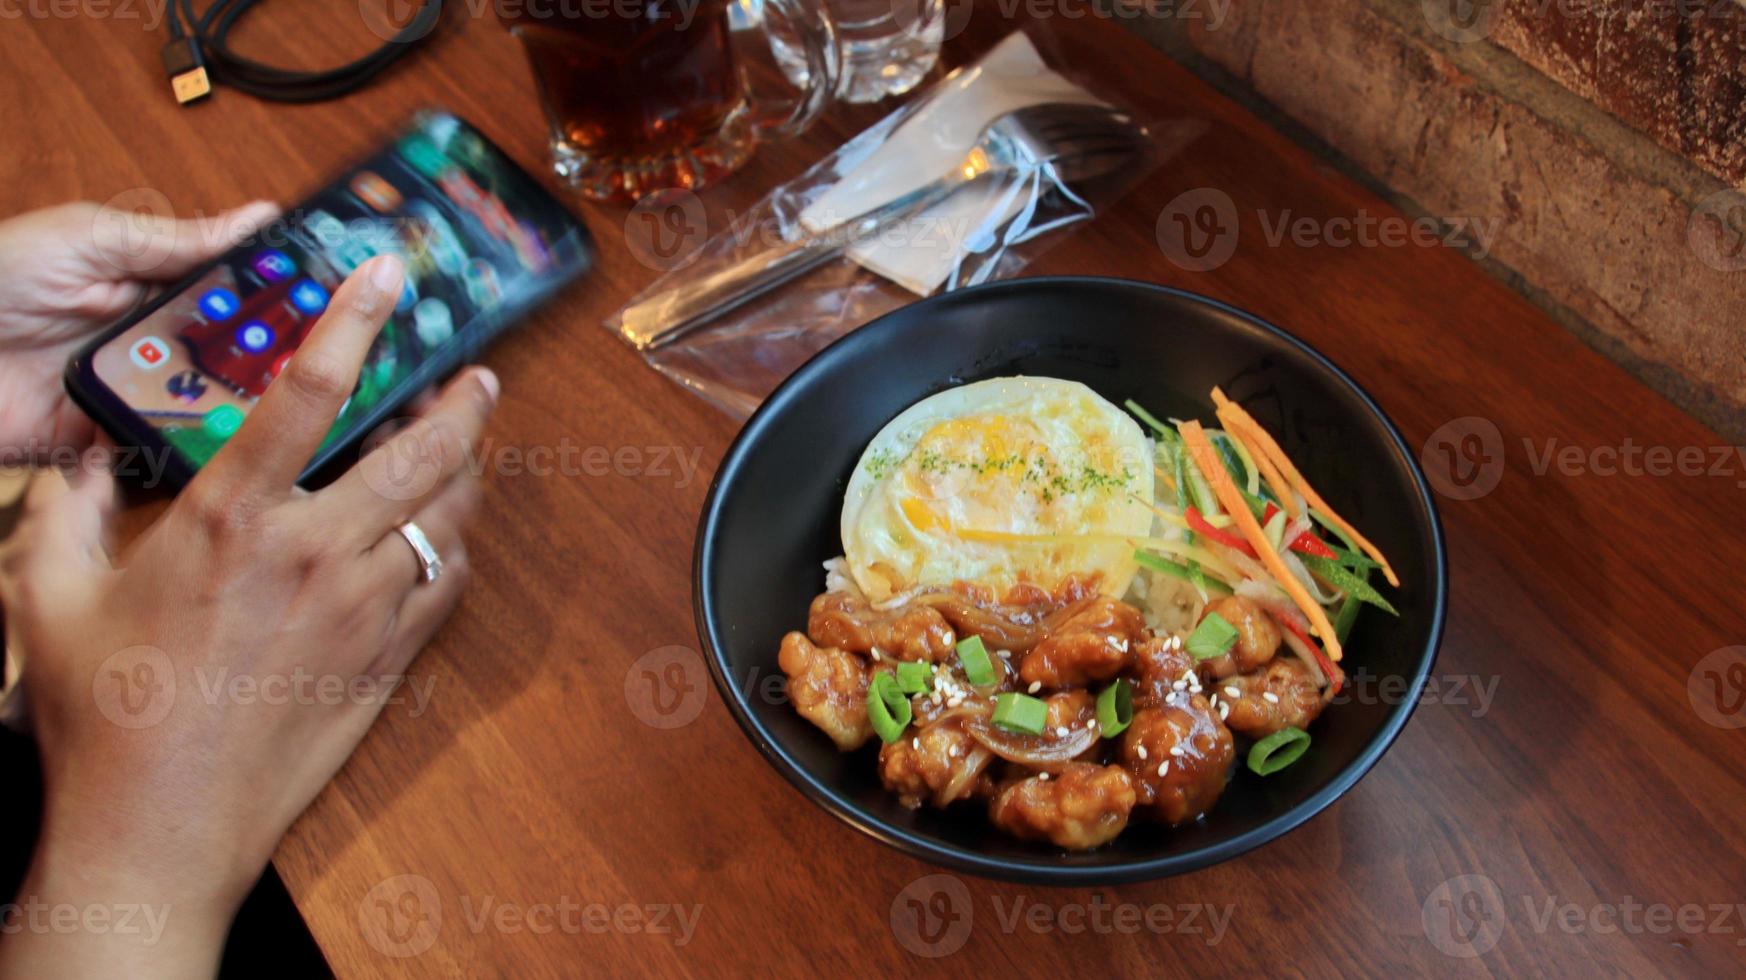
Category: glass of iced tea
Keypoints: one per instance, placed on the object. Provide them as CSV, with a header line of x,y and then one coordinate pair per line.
x,y
643,95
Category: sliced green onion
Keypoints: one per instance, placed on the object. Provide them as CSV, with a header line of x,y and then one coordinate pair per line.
x,y
1020,713
887,708
1197,576
1342,578
1275,529
1211,638
914,677
1115,708
1148,418
1278,750
1191,572
1347,616
1355,560
973,656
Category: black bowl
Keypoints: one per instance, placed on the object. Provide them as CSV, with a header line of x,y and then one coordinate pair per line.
x,y
771,521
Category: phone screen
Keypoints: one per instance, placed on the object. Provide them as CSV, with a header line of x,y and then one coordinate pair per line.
x,y
481,243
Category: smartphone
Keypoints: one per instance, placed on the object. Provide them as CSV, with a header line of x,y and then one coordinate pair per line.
x,y
482,242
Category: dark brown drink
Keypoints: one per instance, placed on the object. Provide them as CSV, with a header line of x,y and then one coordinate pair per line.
x,y
635,102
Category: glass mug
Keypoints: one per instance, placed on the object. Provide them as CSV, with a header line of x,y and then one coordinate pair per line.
x,y
643,95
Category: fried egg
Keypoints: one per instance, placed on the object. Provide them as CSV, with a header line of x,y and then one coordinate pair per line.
x,y
996,483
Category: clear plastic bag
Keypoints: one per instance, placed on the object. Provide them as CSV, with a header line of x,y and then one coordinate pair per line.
x,y
968,210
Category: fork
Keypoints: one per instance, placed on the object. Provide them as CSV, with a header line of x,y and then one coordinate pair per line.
x,y
1080,141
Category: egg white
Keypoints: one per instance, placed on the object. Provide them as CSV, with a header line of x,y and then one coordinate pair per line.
x,y
1004,481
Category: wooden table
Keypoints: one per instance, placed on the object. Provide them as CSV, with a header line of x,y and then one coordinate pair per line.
x,y
1586,786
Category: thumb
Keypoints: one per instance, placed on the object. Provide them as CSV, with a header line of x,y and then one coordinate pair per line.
x,y
147,245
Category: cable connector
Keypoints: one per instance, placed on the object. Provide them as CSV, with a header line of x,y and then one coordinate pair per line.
x,y
187,70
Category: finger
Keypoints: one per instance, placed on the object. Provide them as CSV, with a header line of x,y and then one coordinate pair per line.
x,y
391,557
425,609
396,479
134,245
286,427
61,540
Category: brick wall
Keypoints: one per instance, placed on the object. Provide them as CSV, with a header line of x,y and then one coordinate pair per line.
x,y
1607,136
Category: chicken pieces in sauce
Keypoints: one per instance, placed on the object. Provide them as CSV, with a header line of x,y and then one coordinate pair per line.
x,y
1066,785
1081,807
828,686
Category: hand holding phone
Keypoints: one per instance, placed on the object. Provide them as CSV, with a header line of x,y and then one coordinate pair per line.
x,y
70,271
245,577
481,244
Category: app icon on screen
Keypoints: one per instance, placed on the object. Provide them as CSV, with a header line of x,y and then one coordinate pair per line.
x,y
219,304
186,386
254,336
273,265
308,296
148,353
222,421
376,192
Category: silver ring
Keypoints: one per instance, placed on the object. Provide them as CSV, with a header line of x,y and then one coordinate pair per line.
x,y
430,564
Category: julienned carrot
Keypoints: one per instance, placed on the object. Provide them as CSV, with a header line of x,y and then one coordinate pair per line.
x,y
1207,457
1269,472
1264,442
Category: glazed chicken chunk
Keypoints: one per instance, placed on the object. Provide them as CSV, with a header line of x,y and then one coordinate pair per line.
x,y
937,765
1282,695
1257,637
828,686
847,622
1082,806
1180,756
1092,641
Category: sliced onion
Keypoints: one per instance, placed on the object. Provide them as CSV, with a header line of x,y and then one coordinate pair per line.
x,y
967,618
964,780
1049,752
1267,595
1305,655
1295,530
1308,581
1243,563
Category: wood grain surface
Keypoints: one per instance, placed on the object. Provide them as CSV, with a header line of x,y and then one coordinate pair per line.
x,y
1573,749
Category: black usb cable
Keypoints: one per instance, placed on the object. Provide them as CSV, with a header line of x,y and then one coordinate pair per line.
x,y
198,56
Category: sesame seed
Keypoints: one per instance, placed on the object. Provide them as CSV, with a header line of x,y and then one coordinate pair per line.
x,y
1224,711
956,700
1163,767
1176,750
915,743
1042,777
1188,675
1061,731
1036,686
1231,691
1269,697
1179,686
1142,751
956,751
876,653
